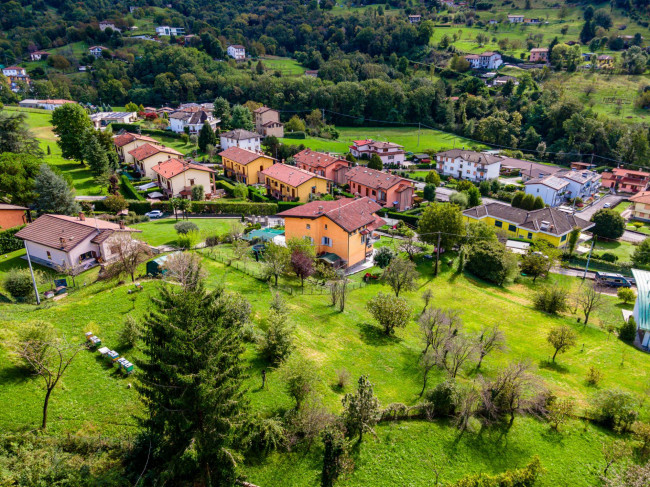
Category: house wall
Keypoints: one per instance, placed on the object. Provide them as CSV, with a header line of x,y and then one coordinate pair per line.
x,y
301,192
469,170
123,151
550,196
177,125
641,211
12,218
146,165
187,179
252,144
248,173
59,257
514,231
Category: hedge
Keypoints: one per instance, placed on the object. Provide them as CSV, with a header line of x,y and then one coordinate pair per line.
x,y
295,135
9,243
287,205
130,127
225,185
137,206
129,190
223,208
410,219
255,195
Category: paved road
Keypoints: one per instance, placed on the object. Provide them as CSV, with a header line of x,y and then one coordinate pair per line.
x,y
587,213
443,194
633,237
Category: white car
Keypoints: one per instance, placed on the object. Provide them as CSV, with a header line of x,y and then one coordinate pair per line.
x,y
154,214
606,205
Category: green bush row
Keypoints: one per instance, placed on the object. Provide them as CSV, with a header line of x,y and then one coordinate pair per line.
x,y
129,190
225,185
223,208
9,243
295,135
410,219
130,127
287,205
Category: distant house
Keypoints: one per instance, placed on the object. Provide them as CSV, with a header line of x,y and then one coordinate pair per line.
x,y
486,60
241,138
341,230
467,164
236,51
96,51
38,55
126,142
146,156
415,19
329,167
312,73
244,165
105,24
539,55
551,189
165,30
605,61
527,169
388,152
498,81
53,104
548,224
515,19
289,183
532,21
625,180
267,122
176,178
12,216
580,166
388,190
640,207
493,21
28,103
74,242
194,121
103,119
16,75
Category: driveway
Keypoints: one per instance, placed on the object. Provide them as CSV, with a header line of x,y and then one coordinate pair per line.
x,y
587,213
633,237
443,194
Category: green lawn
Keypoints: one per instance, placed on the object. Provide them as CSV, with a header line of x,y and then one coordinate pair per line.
x,y
161,232
623,250
286,66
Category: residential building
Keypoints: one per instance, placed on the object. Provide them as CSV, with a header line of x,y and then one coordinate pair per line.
x,y
605,61
386,189
105,24
126,142
515,19
312,73
73,242
236,51
195,107
244,165
165,30
52,104
527,169
103,119
289,183
493,21
415,19
486,60
467,164
38,55
640,207
625,180
193,120
12,216
96,51
267,122
148,155
549,224
388,152
341,230
579,166
532,21
28,103
539,55
176,178
641,310
15,71
498,81
241,138
16,75
329,167
551,189
582,184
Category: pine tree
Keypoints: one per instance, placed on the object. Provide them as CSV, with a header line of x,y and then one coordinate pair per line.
x,y
94,154
206,136
539,203
375,163
191,385
517,199
54,194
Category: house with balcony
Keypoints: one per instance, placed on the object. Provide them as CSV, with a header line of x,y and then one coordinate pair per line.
x,y
16,75
126,142
322,164
640,206
165,30
289,183
539,55
245,166
267,122
625,180
388,152
96,51
176,178
486,60
388,190
551,189
188,121
582,184
148,155
467,164
236,51
244,139
341,230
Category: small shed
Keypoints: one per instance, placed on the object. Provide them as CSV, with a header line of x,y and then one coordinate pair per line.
x,y
156,268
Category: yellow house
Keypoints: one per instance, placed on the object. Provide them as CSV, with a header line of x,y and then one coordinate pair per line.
x,y
641,206
176,178
126,142
244,165
148,155
548,224
289,183
341,230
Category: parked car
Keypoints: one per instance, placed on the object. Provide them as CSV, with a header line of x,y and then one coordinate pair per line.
x,y
613,280
154,214
606,205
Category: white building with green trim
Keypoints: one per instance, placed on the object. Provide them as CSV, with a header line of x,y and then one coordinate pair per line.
x,y
641,311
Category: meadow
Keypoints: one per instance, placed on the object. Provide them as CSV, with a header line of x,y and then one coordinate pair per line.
x,y
161,231
286,66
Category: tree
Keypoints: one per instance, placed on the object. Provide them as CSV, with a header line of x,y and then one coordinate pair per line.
x,y
222,111
588,32
490,339
115,203
491,261
130,332
198,193
615,408
302,264
561,338
641,254
383,257
276,260
47,356
299,377
389,311
473,197
457,352
626,294
375,163
429,192
240,191
17,174
528,202
559,411
192,338
70,123
538,204
361,409
401,275
627,331
572,241
589,299
241,118
609,224
295,124
432,177
438,326
534,264
16,137
130,254
206,136
335,456
94,154
517,199
18,283
602,18
54,194
278,339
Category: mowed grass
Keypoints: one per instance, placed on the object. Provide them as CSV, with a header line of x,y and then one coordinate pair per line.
x,y
286,66
623,250
161,232
407,136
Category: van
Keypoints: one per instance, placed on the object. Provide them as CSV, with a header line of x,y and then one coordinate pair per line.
x,y
612,280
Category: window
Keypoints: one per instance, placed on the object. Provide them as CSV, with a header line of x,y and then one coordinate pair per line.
x,y
498,224
49,256
325,226
530,236
326,241
512,228
563,238
363,239
191,182
308,226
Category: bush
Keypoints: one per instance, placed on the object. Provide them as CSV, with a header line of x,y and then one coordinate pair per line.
x,y
594,376
212,240
188,240
626,294
184,227
130,332
9,243
295,135
129,190
222,208
521,477
18,283
444,398
383,257
627,332
615,409
551,299
608,257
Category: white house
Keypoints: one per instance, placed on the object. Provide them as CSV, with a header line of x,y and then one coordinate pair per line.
x,y
176,178
165,30
486,60
552,189
241,138
74,242
236,51
96,51
38,55
14,71
515,19
582,184
192,120
103,119
52,104
388,152
415,19
466,164
105,24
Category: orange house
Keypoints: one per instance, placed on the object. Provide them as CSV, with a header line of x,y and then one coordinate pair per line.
x,y
12,216
330,167
386,189
341,230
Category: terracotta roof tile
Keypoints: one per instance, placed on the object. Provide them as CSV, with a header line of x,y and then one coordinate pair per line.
x,y
148,150
317,159
374,179
173,167
241,156
127,137
350,214
290,175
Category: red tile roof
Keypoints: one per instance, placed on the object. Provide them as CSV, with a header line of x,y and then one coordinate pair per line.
x,y
148,150
5,206
174,167
641,197
240,156
125,138
374,179
290,175
316,159
350,214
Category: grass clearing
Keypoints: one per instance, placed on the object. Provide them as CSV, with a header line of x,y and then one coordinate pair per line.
x,y
161,231
286,66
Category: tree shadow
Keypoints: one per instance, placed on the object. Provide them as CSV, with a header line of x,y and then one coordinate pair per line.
x,y
375,336
554,366
14,374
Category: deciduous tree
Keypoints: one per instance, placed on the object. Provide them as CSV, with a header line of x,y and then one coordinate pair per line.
x,y
561,338
401,275
389,311
71,123
361,409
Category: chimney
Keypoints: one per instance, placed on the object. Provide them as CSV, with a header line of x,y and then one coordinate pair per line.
x,y
82,217
122,226
62,240
320,210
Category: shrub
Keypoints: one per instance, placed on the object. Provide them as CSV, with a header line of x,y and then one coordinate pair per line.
x,y
184,227
342,378
383,257
129,190
626,294
594,376
615,409
551,299
130,332
18,283
9,243
212,240
521,477
627,332
608,257
444,398
188,240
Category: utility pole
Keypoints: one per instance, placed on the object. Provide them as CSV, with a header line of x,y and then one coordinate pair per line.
x,y
437,254
31,271
593,241
419,124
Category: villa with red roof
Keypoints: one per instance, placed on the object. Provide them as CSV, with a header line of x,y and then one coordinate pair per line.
x,y
289,183
386,189
126,142
340,230
148,155
329,167
176,178
625,180
388,152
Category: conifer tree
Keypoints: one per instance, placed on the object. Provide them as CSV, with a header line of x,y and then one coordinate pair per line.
x,y
206,136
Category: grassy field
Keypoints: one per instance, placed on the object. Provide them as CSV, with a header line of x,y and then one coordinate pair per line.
x,y
407,136
623,250
161,232
286,66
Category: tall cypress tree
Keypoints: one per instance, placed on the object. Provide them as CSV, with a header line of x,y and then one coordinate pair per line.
x,y
191,384
94,153
206,136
